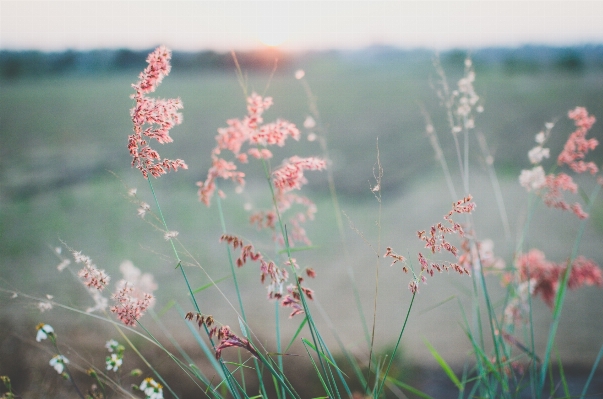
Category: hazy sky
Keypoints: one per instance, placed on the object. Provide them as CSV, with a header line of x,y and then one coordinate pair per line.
x,y
296,25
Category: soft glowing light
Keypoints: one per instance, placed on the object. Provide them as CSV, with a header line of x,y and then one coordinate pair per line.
x,y
274,33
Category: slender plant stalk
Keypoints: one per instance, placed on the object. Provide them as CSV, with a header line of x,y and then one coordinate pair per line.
x,y
227,373
312,327
592,373
377,191
560,296
238,291
391,359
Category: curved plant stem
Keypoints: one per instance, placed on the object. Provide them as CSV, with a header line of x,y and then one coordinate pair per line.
x,y
225,370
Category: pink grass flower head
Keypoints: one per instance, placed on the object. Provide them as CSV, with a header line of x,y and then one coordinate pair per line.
x,y
251,137
129,308
133,296
551,187
545,276
577,145
290,176
91,276
293,299
229,340
153,117
437,242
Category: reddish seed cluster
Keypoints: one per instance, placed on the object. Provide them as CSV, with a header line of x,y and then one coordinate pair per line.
x,y
551,187
250,137
436,241
91,276
278,277
290,176
130,308
269,271
153,117
94,278
545,275
248,131
293,298
247,251
226,337
553,196
229,340
389,253
201,320
577,145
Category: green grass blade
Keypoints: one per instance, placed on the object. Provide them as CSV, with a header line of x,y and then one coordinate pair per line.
x,y
325,357
409,388
297,249
592,373
444,365
208,285
301,326
562,375
322,381
561,291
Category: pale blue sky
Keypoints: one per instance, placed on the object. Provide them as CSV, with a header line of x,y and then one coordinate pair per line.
x,y
296,25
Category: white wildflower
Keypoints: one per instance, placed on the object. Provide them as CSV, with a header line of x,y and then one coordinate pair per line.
x,y
151,388
540,138
537,154
58,362
114,362
44,330
111,345
532,179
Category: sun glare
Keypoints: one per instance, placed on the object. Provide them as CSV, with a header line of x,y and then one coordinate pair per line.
x,y
273,35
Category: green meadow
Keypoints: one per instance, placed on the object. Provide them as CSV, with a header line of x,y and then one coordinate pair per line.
x,y
65,172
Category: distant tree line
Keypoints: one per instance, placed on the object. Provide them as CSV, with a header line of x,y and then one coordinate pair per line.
x,y
521,60
30,63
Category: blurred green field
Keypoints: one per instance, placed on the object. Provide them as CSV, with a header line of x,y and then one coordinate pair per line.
x,y
64,143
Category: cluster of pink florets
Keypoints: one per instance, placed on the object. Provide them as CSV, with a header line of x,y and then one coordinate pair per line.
x,y
552,186
290,176
437,242
250,137
153,117
276,276
545,276
229,340
578,145
130,307
91,276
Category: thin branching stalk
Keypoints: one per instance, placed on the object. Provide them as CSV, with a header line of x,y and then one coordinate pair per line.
x,y
377,174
